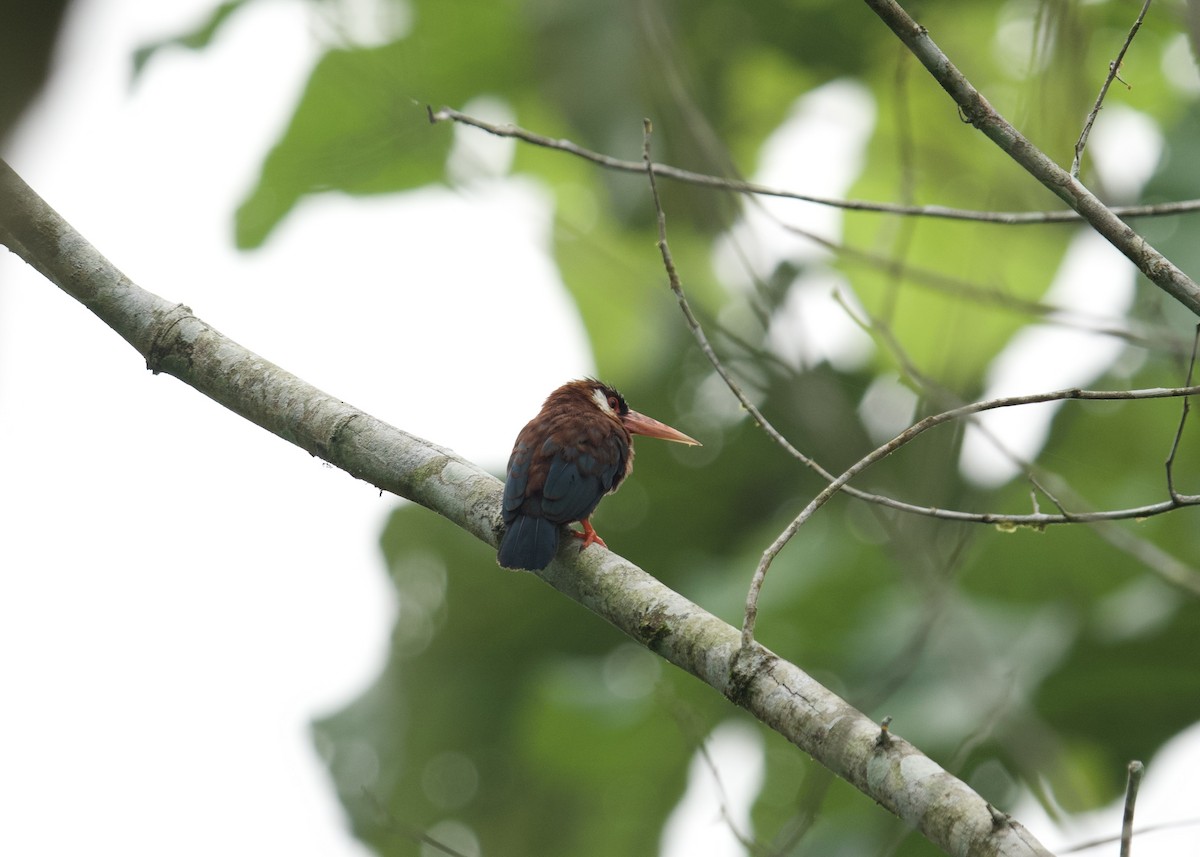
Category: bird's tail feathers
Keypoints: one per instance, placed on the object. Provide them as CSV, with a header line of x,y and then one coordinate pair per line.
x,y
529,543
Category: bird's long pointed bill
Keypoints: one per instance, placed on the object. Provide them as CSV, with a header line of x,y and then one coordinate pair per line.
x,y
650,427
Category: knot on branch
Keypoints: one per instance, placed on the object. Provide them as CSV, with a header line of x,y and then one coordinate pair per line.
x,y
162,346
884,739
747,665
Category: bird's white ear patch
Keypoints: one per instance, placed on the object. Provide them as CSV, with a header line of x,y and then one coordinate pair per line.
x,y
602,401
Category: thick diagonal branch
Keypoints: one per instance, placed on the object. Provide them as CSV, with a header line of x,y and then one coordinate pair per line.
x,y
1161,270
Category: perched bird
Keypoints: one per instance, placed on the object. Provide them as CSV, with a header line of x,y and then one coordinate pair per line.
x,y
577,449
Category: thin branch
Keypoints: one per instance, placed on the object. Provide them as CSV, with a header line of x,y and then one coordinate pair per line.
x,y
694,325
1004,218
1038,486
388,822
1139,831
1170,464
911,433
974,107
936,281
1170,568
1036,520
698,741
656,169
747,842
1114,68
1136,770
1158,561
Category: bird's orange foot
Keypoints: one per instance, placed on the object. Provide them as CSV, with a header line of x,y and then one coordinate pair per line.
x,y
589,536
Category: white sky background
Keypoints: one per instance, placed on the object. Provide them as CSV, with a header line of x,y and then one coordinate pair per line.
x,y
180,591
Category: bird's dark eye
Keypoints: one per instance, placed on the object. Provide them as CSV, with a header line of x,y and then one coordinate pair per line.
x,y
614,403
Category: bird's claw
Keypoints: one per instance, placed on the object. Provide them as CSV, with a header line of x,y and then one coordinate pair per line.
x,y
589,536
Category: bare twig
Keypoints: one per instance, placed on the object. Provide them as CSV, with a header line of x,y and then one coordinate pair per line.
x,y
1182,420
696,738
930,279
1037,520
694,324
929,422
387,821
1169,568
974,107
1038,486
1113,68
1139,831
1004,218
746,841
1136,769
885,734
698,331
936,281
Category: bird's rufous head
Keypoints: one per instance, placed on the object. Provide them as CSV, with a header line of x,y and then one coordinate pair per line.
x,y
612,404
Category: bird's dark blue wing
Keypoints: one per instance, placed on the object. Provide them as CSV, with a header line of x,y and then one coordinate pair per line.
x,y
530,540
516,483
577,480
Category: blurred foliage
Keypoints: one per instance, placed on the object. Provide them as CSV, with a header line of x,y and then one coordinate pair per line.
x,y
27,42
509,719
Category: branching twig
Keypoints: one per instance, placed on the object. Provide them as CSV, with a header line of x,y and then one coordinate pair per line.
x,y
1166,566
1113,68
909,434
1004,218
694,324
655,169
928,278
974,107
1036,520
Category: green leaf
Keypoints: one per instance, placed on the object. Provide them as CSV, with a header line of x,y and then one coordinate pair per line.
x,y
196,39
354,131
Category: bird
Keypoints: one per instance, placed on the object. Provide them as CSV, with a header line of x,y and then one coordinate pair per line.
x,y
578,449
